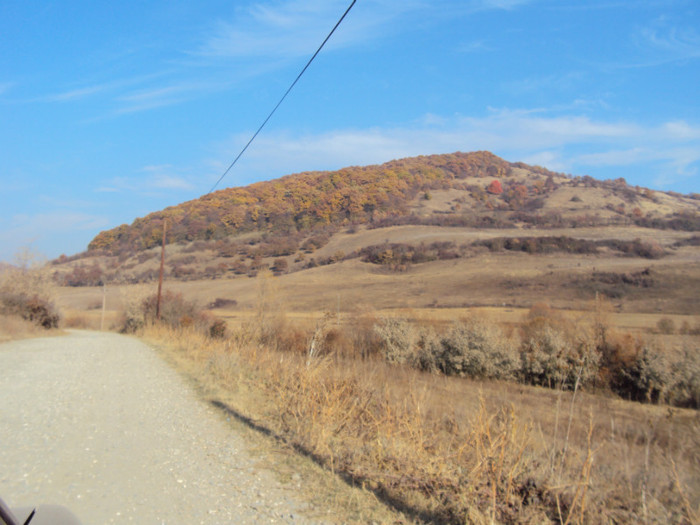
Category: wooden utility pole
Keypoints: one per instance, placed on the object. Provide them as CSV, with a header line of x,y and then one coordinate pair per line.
x,y
104,305
160,274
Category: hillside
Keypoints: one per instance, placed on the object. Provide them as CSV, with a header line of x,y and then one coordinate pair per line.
x,y
445,230
485,191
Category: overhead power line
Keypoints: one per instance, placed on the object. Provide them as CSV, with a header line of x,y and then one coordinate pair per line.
x,y
283,97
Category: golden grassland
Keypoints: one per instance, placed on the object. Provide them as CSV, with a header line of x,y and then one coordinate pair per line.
x,y
513,280
449,450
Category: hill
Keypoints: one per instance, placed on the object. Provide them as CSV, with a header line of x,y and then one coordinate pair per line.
x,y
486,191
434,220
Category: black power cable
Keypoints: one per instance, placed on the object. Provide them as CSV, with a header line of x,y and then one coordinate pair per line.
x,y
283,97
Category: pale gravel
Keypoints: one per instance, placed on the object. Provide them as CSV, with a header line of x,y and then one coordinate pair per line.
x,y
98,423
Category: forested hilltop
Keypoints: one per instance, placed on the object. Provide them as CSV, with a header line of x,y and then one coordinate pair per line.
x,y
492,193
297,203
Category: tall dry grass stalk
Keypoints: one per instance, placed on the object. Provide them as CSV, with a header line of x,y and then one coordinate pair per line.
x,y
449,450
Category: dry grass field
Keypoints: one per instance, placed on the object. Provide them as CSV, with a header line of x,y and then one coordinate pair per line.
x,y
450,450
506,280
437,448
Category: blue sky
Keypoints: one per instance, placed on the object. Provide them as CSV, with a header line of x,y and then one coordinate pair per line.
x,y
111,110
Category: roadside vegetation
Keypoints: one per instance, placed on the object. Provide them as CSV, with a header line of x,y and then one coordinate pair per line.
x,y
26,299
472,422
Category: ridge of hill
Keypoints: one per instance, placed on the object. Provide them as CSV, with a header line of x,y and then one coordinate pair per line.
x,y
495,193
300,202
420,229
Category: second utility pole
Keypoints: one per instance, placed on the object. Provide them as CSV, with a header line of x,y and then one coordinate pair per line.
x,y
160,274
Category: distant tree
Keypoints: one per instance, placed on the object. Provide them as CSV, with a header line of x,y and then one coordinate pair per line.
x,y
495,187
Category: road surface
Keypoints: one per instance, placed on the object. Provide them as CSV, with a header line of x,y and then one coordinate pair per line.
x,y
98,423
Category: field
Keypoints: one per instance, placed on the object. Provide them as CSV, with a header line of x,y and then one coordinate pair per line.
x,y
511,281
437,448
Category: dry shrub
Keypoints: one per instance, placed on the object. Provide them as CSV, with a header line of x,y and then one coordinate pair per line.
x,y
175,310
140,310
477,348
647,377
26,291
133,317
33,308
665,325
218,329
398,340
446,450
556,352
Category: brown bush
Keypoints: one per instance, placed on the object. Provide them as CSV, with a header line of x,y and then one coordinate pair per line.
x,y
479,349
555,352
665,325
33,308
26,291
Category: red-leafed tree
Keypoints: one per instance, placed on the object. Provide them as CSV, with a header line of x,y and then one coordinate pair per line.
x,y
495,188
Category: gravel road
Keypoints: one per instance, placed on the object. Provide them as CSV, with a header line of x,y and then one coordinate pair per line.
x,y
98,423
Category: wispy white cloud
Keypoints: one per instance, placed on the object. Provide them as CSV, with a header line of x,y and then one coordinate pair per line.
x,y
561,82
677,43
291,28
664,43
294,28
474,46
570,143
165,177
109,87
76,94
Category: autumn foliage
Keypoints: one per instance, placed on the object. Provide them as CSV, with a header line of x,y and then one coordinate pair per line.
x,y
495,188
300,202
